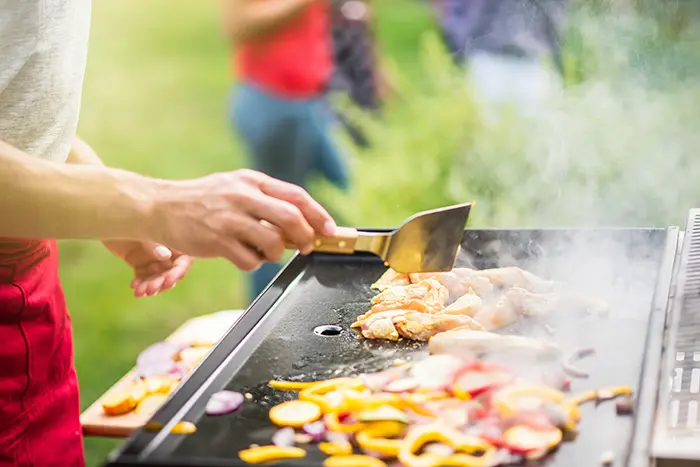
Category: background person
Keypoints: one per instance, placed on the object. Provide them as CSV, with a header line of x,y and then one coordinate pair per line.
x,y
511,47
283,56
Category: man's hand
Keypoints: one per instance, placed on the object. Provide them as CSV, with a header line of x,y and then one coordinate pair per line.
x,y
156,268
220,216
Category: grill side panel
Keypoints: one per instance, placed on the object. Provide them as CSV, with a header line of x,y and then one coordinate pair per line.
x,y
677,432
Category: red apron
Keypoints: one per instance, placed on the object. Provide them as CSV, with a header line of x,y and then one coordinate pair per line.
x,y
39,406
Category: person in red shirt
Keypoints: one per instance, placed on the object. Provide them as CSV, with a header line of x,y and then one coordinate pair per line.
x,y
283,57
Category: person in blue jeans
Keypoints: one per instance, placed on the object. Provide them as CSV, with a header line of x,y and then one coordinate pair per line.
x,y
284,58
512,48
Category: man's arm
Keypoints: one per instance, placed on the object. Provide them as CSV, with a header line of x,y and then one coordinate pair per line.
x,y
82,153
253,19
41,199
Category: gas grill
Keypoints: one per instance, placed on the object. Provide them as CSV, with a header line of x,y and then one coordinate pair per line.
x,y
299,329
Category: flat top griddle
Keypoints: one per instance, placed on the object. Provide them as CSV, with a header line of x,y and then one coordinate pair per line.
x,y
282,336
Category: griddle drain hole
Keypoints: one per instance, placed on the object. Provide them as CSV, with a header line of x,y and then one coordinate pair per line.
x,y
328,330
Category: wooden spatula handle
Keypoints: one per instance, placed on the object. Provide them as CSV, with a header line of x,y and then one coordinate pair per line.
x,y
343,242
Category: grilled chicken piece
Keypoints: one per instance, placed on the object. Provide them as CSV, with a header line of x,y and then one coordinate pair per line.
x,y
431,292
413,304
459,282
390,278
421,327
504,311
412,325
467,343
379,325
468,304
516,277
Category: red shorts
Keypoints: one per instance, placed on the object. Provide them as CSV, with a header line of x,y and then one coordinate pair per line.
x,y
39,401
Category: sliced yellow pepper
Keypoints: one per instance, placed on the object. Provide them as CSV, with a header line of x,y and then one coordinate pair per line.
x,y
333,424
610,393
507,399
270,453
292,385
336,448
376,438
183,428
316,392
353,461
467,460
422,435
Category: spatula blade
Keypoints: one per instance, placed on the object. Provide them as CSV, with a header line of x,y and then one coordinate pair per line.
x,y
428,241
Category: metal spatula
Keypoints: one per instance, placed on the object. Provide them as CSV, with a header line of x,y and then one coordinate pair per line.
x,y
425,242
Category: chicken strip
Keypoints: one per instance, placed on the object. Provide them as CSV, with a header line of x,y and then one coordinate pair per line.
x,y
459,282
468,304
431,292
421,327
380,325
412,304
502,312
467,343
390,278
515,277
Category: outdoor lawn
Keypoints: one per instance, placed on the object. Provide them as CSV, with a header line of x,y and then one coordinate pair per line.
x,y
154,102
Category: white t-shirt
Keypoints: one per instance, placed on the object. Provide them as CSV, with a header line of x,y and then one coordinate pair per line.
x,y
43,50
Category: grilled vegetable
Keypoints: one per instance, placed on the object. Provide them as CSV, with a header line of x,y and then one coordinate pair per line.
x,y
284,437
125,401
523,439
291,385
353,461
316,430
224,402
568,365
183,428
384,413
295,413
377,438
336,448
262,454
333,423
151,404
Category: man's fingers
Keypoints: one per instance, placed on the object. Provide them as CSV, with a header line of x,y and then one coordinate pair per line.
x,y
264,238
287,218
313,212
242,256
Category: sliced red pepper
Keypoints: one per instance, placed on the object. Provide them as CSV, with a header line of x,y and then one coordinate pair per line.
x,y
474,382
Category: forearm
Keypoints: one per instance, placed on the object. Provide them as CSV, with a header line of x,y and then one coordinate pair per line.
x,y
41,199
253,19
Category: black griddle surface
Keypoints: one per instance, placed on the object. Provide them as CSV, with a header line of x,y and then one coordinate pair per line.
x,y
621,265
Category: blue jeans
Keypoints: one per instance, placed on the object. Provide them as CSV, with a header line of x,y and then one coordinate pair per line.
x,y
289,140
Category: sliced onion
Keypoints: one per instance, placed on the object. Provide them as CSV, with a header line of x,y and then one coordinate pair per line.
x,y
158,352
158,359
402,385
317,430
284,437
337,437
377,381
568,366
224,402
178,370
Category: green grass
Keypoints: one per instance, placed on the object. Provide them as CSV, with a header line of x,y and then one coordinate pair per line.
x,y
155,102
